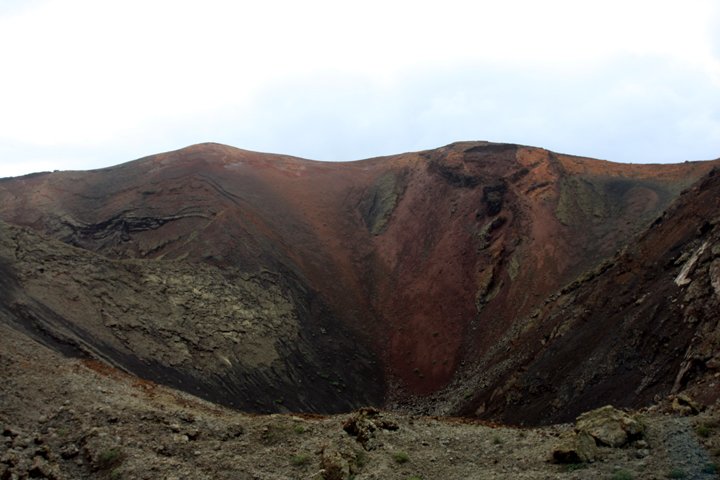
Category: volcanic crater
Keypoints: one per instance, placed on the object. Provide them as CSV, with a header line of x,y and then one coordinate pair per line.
x,y
487,280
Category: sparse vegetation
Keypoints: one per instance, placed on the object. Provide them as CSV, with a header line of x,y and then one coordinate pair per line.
x,y
703,430
274,434
110,458
497,440
299,429
710,468
361,459
299,460
401,457
571,467
677,473
622,475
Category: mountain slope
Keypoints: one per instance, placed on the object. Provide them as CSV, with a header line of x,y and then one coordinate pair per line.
x,y
234,338
642,325
383,280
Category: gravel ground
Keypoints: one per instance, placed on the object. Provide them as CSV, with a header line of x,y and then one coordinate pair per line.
x,y
65,418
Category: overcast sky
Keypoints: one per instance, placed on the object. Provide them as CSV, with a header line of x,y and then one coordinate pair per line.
x,y
86,83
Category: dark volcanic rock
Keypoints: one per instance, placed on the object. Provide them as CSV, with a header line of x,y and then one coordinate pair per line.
x,y
643,324
426,280
493,198
243,340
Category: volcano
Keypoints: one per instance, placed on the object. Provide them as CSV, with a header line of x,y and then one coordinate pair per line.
x,y
480,279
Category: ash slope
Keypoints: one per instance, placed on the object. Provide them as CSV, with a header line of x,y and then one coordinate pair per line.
x,y
643,324
383,280
234,338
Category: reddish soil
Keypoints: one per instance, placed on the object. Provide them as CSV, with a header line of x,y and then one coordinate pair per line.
x,y
470,237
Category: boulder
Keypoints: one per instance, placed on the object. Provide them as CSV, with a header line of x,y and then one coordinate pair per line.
x,y
609,426
685,405
364,423
580,448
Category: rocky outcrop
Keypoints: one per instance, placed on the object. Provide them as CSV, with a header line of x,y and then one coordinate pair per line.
x,y
609,427
364,423
380,200
578,448
596,430
643,325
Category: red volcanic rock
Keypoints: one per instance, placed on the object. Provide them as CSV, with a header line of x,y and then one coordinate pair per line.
x,y
430,261
642,324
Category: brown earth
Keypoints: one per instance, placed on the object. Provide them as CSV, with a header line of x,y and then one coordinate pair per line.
x,y
426,281
66,419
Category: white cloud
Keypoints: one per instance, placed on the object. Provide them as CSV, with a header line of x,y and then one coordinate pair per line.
x,y
119,79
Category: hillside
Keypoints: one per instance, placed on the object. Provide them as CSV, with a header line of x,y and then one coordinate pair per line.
x,y
425,281
642,324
